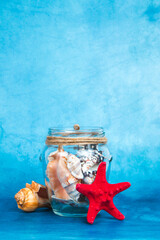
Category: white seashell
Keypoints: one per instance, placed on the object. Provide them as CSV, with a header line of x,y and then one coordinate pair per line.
x,y
87,165
67,180
88,158
74,166
89,180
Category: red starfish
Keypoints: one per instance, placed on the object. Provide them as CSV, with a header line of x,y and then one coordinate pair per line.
x,y
100,194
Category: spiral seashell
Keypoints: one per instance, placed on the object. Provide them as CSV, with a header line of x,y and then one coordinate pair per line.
x,y
51,172
40,192
67,180
26,200
74,166
31,197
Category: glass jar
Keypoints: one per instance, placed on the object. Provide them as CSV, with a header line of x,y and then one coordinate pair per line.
x,y
72,156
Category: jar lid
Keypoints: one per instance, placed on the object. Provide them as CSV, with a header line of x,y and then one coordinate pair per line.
x,y
76,136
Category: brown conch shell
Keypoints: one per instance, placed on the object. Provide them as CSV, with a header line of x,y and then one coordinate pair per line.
x,y
32,197
51,172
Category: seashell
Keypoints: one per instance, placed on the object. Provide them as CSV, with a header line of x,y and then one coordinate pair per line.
x,y
94,168
72,192
26,200
40,191
32,197
88,158
74,166
51,172
88,180
90,174
67,180
87,165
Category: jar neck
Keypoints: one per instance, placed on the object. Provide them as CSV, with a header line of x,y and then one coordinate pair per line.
x,y
83,132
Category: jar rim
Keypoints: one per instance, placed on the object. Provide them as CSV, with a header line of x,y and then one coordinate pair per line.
x,y
68,131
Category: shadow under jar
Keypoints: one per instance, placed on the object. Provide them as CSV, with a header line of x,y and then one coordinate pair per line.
x,y
72,156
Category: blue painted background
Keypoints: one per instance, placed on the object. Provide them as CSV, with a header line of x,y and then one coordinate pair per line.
x,y
88,62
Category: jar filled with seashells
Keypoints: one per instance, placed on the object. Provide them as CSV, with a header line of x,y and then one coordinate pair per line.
x,y
72,156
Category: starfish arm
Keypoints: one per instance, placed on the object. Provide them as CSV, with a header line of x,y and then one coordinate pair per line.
x,y
119,187
83,188
112,210
92,212
101,173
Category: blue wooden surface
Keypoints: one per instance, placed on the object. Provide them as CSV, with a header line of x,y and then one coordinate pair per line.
x,y
142,222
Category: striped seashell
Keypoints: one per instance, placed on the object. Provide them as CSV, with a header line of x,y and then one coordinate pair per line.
x,y
74,166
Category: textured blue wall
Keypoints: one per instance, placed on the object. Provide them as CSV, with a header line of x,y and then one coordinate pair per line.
x,y
87,62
